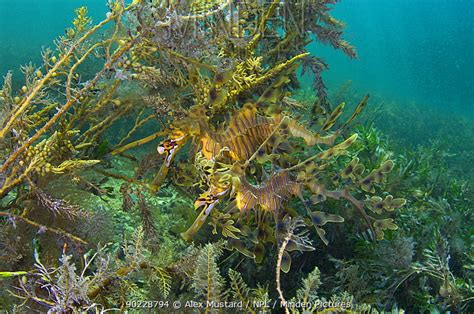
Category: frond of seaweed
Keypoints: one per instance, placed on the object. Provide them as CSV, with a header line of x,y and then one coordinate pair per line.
x,y
207,281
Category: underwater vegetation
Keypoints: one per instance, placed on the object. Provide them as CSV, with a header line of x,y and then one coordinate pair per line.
x,y
168,153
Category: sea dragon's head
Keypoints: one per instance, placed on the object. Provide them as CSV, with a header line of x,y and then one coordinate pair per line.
x,y
209,199
171,146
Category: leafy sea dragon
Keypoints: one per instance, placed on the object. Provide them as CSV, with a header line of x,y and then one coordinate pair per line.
x,y
245,138
247,130
248,137
269,195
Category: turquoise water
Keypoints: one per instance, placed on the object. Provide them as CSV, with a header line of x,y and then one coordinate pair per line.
x,y
409,51
26,26
419,51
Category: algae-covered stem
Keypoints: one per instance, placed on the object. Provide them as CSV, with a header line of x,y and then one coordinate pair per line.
x,y
49,74
278,271
137,143
39,226
139,121
40,84
225,4
68,104
9,183
79,62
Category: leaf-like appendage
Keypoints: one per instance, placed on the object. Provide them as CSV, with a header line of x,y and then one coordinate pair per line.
x,y
286,262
